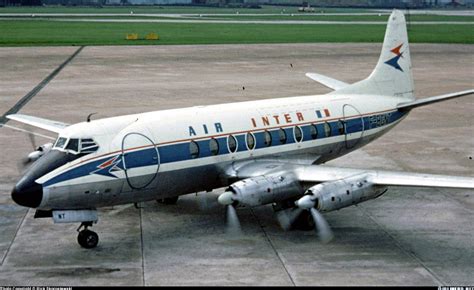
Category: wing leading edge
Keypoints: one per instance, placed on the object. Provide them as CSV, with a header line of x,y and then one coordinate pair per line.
x,y
49,125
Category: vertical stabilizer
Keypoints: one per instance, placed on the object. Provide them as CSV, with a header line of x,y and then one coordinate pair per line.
x,y
392,76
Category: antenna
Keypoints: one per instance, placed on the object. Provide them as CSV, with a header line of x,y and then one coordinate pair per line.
x,y
89,117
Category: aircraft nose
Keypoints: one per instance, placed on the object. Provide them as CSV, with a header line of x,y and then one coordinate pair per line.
x,y
27,193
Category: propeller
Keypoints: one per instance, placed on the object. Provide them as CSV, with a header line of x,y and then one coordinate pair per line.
x,y
203,201
308,202
233,223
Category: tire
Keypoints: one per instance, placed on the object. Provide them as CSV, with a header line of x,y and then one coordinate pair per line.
x,y
88,239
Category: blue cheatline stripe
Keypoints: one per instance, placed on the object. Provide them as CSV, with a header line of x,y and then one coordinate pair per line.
x,y
180,152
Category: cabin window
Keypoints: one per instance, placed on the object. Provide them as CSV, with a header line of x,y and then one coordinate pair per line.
x,y
73,145
327,129
341,127
194,149
282,136
214,146
298,134
250,141
232,143
267,138
313,130
61,142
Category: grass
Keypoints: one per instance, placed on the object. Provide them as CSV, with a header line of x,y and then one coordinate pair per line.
x,y
51,33
165,9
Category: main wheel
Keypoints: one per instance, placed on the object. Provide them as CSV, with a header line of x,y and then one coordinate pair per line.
x,y
88,239
168,200
304,222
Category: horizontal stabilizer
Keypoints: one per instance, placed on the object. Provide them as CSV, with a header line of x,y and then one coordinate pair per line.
x,y
431,100
327,81
45,124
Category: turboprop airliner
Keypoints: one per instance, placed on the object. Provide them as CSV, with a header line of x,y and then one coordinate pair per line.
x,y
262,152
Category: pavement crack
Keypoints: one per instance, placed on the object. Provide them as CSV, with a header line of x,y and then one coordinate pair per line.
x,y
273,247
14,237
399,245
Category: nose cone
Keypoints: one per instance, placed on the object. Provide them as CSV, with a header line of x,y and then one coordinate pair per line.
x,y
27,193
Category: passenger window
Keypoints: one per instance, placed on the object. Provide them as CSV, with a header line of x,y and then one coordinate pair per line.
x,y
282,136
250,141
194,149
313,131
73,145
341,127
327,129
214,146
298,134
232,143
267,138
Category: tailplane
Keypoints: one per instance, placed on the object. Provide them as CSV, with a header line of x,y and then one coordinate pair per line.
x,y
392,76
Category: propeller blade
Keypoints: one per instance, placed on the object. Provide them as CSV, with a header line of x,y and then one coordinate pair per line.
x,y
204,203
322,227
32,141
287,217
233,223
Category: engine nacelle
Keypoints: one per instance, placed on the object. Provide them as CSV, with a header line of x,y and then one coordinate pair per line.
x,y
341,193
40,151
262,190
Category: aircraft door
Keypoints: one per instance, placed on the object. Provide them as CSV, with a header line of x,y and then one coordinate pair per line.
x,y
141,161
353,126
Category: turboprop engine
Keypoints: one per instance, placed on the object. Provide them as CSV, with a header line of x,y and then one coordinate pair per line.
x,y
261,190
257,191
341,193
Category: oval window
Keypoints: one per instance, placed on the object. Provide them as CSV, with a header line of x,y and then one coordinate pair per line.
x,y
232,143
194,149
298,134
327,129
341,127
214,146
250,141
267,138
313,130
282,136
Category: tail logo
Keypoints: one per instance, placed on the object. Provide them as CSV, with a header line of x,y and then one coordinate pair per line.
x,y
394,61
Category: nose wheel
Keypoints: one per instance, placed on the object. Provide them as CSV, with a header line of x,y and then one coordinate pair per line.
x,y
87,238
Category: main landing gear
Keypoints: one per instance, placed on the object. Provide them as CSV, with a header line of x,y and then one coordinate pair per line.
x,y
87,238
168,200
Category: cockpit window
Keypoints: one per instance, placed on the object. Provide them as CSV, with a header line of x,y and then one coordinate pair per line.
x,y
73,145
88,145
60,143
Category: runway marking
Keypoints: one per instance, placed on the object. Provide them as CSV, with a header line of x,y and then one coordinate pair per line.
x,y
273,247
397,243
23,101
14,237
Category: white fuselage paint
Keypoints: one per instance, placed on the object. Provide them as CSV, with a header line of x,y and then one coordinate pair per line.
x,y
65,188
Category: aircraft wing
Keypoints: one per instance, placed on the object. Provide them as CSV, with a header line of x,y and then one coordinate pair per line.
x,y
49,125
323,173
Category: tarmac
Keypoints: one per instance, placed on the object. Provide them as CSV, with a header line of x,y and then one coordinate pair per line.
x,y
409,236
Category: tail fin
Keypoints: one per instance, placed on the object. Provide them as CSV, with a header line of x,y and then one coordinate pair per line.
x,y
392,76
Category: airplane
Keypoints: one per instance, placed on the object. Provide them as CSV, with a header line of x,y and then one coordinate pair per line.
x,y
263,152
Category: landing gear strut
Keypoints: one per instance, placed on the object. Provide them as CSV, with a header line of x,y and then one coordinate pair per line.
x,y
86,238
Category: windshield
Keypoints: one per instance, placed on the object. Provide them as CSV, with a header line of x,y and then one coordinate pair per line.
x,y
60,143
75,145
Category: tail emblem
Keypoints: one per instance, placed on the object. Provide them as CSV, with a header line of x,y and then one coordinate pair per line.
x,y
394,61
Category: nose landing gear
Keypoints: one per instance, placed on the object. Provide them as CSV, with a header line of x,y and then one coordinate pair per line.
x,y
87,238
